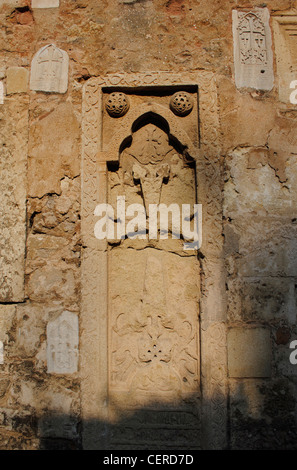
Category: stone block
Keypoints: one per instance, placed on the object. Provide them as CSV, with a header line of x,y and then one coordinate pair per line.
x,y
62,344
265,298
7,313
54,151
49,70
253,58
45,3
17,80
249,352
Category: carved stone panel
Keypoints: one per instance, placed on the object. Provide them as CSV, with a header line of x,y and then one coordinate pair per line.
x,y
148,139
153,292
49,70
253,58
62,344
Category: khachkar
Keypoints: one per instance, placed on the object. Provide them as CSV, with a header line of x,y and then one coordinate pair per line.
x,y
253,58
49,70
153,300
140,329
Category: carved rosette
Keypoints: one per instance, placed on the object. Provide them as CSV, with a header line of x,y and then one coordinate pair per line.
x,y
117,104
181,103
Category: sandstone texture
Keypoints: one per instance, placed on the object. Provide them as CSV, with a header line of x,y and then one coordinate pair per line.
x,y
134,343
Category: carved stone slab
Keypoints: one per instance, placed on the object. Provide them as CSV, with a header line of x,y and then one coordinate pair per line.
x,y
49,70
253,57
62,344
108,324
1,353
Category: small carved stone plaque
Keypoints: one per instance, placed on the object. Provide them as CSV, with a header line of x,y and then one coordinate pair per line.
x,y
62,344
253,58
49,70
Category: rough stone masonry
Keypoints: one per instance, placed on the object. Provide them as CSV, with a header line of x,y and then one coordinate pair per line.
x,y
136,343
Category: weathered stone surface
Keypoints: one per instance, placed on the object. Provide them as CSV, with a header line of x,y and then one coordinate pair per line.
x,y
150,315
249,352
246,120
17,80
62,344
7,313
253,58
49,70
1,93
45,3
54,151
258,186
261,299
13,166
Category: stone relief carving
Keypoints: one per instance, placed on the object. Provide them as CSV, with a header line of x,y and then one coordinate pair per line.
x,y
62,344
181,103
252,49
49,70
252,39
93,366
117,104
163,355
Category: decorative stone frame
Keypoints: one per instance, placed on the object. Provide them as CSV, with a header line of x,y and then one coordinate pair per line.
x,y
285,26
94,308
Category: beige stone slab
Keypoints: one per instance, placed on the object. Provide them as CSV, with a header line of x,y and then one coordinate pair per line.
x,y
45,3
62,344
17,80
7,313
49,70
53,151
253,58
249,352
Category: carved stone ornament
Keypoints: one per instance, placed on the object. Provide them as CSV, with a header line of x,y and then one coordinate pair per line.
x,y
181,103
62,344
49,70
140,329
253,58
117,104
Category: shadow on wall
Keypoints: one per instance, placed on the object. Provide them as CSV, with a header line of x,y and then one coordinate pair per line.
x,y
160,426
180,427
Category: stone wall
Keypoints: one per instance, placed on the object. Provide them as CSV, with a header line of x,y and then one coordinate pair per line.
x,y
56,60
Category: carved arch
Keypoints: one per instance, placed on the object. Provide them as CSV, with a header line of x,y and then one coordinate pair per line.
x,y
161,115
